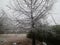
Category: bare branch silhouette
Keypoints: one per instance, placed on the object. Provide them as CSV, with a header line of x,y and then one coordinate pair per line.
x,y
32,12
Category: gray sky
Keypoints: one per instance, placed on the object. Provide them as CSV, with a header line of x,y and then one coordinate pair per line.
x,y
55,11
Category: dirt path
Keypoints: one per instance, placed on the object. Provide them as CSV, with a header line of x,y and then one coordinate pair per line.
x,y
11,38
5,36
18,39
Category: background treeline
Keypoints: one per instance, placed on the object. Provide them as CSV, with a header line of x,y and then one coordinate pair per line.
x,y
51,37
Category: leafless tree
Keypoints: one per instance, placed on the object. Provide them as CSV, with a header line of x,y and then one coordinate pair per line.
x,y
6,23
1,21
30,13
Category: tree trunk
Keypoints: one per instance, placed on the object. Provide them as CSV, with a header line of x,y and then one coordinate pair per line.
x,y
32,26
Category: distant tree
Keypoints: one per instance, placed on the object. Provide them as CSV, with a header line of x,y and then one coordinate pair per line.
x,y
54,40
43,35
5,23
30,14
1,23
1,26
56,28
51,37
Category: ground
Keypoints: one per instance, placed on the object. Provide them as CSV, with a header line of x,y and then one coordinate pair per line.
x,y
16,39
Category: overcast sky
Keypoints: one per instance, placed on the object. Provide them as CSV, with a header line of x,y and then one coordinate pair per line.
x,y
55,11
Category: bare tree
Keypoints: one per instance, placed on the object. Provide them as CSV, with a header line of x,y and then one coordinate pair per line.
x,y
30,13
1,21
6,23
